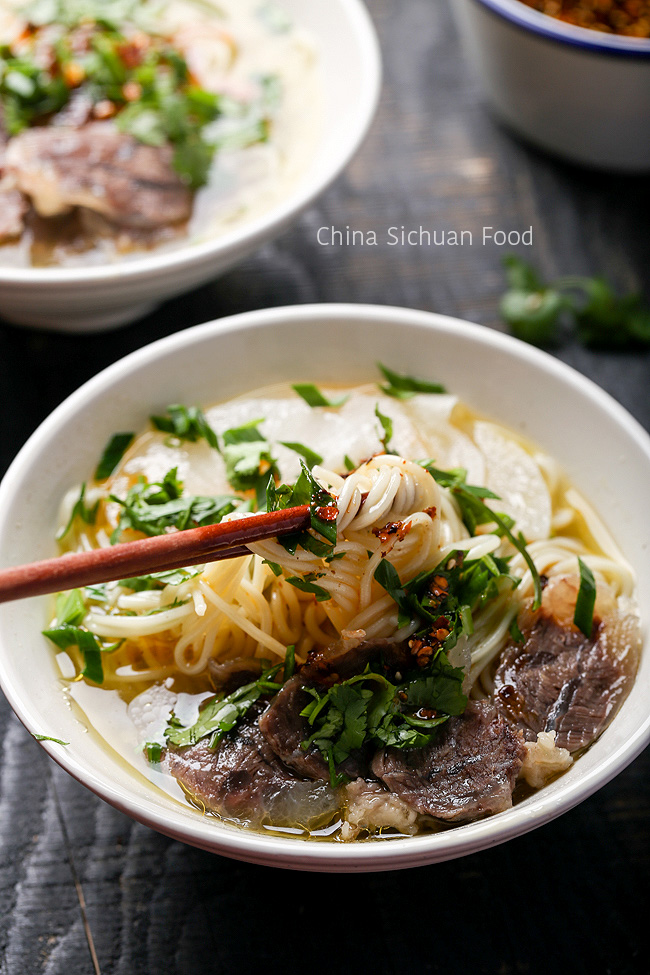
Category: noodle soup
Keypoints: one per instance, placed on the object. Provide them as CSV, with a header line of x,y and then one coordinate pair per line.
x,y
453,631
131,126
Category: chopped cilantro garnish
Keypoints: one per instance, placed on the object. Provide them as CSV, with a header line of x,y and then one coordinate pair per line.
x,y
154,507
186,423
443,600
70,607
79,510
387,427
153,752
583,616
289,663
113,453
370,709
403,387
475,512
49,738
307,585
323,513
249,464
66,635
219,715
515,633
158,580
314,397
311,457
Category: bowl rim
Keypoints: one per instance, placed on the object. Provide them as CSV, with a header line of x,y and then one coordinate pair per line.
x,y
369,66
517,13
293,852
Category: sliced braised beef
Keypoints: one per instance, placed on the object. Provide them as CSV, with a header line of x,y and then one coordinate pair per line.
x,y
560,680
228,675
242,778
469,771
282,724
99,168
349,657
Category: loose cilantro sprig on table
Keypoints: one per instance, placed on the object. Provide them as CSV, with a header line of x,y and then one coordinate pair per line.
x,y
534,310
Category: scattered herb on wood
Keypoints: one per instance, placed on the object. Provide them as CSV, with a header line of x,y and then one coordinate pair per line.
x,y
534,310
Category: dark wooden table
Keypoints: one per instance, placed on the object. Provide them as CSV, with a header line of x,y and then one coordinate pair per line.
x,y
82,888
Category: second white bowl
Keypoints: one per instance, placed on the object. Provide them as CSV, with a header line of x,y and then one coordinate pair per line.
x,y
578,93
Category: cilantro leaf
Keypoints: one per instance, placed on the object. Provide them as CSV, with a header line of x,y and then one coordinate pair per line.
x,y
154,507
307,585
248,459
314,397
311,457
113,453
387,427
474,512
583,616
219,715
66,635
368,709
70,607
49,738
186,423
158,580
404,387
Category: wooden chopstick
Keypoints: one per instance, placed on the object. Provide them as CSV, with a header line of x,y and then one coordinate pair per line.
x,y
158,554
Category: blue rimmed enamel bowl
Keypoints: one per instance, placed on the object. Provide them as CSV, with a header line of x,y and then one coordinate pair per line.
x,y
580,94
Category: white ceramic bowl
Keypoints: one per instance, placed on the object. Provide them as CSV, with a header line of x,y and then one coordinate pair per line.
x,y
499,376
581,94
95,298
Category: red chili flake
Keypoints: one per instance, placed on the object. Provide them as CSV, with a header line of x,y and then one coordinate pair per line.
x,y
328,513
399,528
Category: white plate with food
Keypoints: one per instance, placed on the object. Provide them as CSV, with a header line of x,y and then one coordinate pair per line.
x,y
450,656
146,147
